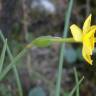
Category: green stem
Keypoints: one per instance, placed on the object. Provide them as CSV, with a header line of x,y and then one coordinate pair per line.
x,y
64,40
58,83
3,56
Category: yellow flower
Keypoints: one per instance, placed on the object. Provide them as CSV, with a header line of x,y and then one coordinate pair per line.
x,y
86,36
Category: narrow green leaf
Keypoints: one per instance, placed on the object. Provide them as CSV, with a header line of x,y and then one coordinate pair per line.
x,y
14,67
14,61
2,57
61,58
77,81
76,86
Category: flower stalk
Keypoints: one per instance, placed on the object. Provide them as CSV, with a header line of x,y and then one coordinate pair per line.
x,y
64,40
86,36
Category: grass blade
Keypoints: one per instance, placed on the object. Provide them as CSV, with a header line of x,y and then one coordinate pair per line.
x,y
76,86
76,78
68,14
14,61
3,56
20,91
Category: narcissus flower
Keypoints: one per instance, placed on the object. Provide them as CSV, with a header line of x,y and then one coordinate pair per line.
x,y
86,36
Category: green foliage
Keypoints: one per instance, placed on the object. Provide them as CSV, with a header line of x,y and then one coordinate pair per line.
x,y
61,58
4,91
76,87
77,81
3,55
7,69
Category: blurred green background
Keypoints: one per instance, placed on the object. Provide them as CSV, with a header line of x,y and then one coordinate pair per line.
x,y
21,21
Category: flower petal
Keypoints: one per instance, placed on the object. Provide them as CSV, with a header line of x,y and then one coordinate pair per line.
x,y
76,32
88,40
86,56
91,31
87,24
92,40
88,44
